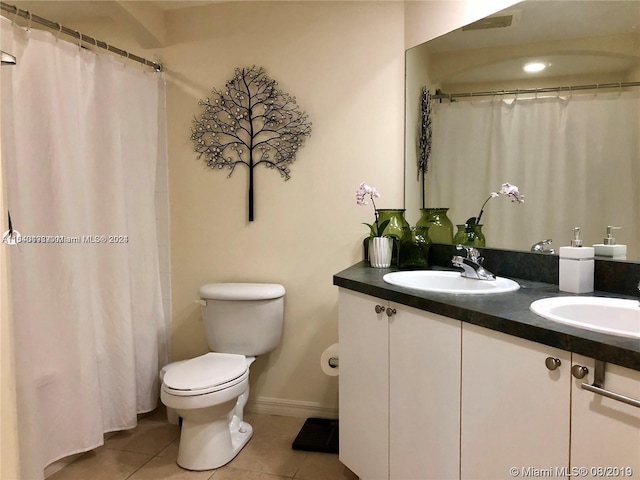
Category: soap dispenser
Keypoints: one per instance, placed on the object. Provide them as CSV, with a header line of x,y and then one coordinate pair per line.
x,y
609,248
576,266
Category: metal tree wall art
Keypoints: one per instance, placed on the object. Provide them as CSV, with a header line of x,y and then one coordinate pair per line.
x,y
426,134
250,123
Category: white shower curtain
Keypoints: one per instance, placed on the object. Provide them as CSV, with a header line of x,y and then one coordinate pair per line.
x,y
576,159
81,135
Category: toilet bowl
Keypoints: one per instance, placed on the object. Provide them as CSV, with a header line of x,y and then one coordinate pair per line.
x,y
209,393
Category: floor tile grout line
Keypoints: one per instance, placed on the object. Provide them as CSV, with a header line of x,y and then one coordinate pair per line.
x,y
141,466
269,433
137,451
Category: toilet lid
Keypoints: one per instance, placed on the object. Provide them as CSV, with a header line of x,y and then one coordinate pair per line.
x,y
241,291
206,371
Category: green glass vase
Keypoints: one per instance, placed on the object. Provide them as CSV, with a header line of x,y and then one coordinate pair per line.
x,y
470,236
395,229
414,248
440,226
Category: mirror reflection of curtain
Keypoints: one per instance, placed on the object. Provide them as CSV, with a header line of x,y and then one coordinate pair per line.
x,y
81,135
576,158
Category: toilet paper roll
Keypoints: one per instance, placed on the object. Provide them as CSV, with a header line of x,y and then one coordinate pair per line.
x,y
329,361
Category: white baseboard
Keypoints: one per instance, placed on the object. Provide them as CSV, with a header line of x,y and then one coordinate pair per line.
x,y
290,408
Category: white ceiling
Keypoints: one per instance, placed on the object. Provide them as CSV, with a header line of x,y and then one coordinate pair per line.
x,y
80,10
537,21
176,4
63,11
545,21
574,37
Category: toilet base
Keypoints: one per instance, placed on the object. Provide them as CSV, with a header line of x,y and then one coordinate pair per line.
x,y
207,446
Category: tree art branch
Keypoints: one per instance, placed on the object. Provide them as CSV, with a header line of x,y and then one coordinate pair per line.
x,y
250,122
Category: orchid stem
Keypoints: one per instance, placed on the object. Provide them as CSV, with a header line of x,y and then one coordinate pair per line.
x,y
482,210
375,211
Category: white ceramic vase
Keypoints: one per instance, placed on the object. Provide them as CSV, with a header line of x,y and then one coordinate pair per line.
x,y
380,249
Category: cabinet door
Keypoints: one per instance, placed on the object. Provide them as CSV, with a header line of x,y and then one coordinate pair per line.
x,y
424,398
364,385
605,432
515,411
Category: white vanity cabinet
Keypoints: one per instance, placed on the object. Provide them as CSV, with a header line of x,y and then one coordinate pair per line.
x,y
364,385
515,411
424,396
605,433
399,390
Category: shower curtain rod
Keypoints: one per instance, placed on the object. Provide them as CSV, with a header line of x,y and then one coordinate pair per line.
x,y
440,95
12,9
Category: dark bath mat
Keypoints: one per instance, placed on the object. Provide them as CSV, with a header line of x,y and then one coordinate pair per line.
x,y
318,435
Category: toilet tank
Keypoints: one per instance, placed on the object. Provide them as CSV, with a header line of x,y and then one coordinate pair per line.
x,y
243,318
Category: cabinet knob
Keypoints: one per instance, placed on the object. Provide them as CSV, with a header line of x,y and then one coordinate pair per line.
x,y
391,312
552,363
579,371
379,308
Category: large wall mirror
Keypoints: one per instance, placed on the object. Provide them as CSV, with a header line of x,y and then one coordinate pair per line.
x,y
574,152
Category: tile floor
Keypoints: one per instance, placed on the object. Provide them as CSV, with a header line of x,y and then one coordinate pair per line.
x,y
149,452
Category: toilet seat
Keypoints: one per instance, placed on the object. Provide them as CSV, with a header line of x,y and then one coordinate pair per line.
x,y
207,373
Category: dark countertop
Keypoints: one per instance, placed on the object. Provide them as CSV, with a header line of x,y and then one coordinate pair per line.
x,y
505,312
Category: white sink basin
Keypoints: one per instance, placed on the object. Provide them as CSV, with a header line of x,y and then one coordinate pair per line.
x,y
449,282
601,314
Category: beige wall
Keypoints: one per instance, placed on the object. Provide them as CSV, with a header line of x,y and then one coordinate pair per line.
x,y
8,426
9,467
344,63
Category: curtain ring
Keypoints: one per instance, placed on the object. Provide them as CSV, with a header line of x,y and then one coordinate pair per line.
x,y
15,15
59,31
79,39
125,55
30,19
536,97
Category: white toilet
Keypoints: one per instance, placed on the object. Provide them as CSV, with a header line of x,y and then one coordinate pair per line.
x,y
209,392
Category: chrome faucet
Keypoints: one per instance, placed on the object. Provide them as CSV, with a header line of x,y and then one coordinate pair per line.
x,y
539,247
471,264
